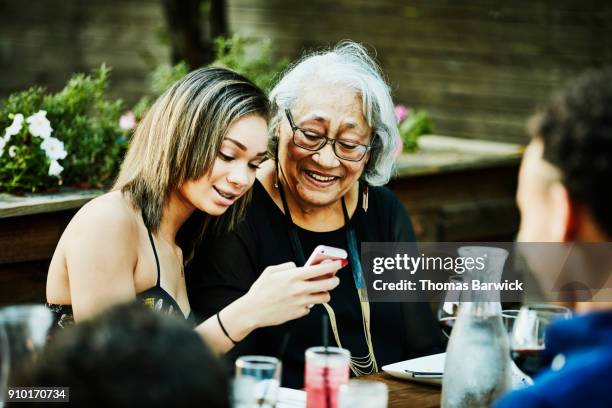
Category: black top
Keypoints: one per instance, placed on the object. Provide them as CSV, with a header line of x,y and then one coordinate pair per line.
x,y
224,270
155,297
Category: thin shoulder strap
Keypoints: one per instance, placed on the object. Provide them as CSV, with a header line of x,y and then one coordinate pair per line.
x,y
154,251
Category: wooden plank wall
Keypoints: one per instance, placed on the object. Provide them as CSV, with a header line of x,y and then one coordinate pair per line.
x,y
479,66
43,42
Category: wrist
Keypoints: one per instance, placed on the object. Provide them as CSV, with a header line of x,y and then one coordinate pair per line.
x,y
240,318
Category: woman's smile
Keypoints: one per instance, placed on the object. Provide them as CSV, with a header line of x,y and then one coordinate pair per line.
x,y
319,179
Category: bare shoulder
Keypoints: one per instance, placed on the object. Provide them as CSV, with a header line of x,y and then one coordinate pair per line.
x,y
109,216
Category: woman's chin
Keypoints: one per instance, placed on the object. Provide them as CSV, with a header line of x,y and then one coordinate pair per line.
x,y
317,198
214,210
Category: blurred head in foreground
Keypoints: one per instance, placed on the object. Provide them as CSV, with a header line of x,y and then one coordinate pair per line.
x,y
564,192
131,356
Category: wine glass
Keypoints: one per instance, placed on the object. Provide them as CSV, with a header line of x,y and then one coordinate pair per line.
x,y
449,307
508,318
26,328
4,364
527,341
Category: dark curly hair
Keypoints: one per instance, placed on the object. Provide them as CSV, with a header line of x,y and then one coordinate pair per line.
x,y
132,356
576,130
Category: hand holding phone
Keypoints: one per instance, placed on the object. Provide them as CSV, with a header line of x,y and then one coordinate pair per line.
x,y
323,253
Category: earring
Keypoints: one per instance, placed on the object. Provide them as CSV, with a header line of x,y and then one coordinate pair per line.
x,y
364,198
275,149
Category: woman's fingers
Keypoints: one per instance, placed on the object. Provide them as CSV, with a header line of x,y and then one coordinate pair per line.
x,y
317,271
280,267
322,285
318,298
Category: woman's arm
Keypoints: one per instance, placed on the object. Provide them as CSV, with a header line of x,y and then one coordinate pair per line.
x,y
100,249
282,293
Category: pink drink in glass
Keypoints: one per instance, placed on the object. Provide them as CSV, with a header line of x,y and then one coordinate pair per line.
x,y
326,371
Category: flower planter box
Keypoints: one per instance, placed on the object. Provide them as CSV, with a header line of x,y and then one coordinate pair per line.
x,y
30,228
455,190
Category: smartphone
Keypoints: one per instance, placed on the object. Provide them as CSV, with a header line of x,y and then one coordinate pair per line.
x,y
324,252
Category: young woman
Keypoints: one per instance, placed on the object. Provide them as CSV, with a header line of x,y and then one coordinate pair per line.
x,y
188,171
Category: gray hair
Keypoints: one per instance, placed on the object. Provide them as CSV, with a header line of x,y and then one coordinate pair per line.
x,y
350,65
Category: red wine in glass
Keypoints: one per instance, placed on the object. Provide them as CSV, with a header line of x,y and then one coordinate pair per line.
x,y
529,360
446,324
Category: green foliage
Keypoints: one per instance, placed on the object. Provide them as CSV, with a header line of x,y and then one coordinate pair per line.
x,y
87,122
160,79
250,57
82,118
415,124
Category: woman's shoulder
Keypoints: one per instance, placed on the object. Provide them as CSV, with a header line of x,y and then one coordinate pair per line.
x,y
384,198
109,213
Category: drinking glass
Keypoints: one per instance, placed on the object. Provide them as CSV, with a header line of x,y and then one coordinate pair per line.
x,y
528,335
363,394
27,328
4,364
509,317
256,382
327,368
449,307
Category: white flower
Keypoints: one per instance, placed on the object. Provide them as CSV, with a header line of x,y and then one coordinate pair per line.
x,y
54,148
14,128
127,121
12,151
55,169
39,124
2,144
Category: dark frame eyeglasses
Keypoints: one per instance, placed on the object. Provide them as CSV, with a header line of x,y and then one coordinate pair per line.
x,y
324,140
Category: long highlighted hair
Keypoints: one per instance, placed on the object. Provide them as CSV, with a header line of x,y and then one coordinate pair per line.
x,y
179,139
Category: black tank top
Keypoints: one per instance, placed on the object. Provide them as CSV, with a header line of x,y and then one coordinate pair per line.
x,y
155,297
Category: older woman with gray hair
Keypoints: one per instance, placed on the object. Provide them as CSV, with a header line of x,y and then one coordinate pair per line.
x,y
334,136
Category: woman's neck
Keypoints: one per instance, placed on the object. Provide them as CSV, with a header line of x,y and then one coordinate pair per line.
x,y
175,213
313,218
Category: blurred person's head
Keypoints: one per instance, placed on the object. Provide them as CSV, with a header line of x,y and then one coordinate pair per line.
x,y
564,192
132,356
339,94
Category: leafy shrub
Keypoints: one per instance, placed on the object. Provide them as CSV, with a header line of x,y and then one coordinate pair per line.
x,y
412,124
71,137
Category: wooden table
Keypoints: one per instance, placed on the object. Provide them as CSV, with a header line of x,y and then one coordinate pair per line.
x,y
404,393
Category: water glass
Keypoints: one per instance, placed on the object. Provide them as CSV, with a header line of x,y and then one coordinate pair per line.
x,y
327,368
27,328
363,394
256,382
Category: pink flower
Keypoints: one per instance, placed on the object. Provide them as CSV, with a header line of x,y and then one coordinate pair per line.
x,y
127,121
400,112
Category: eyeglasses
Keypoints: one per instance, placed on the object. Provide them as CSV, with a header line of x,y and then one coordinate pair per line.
x,y
343,149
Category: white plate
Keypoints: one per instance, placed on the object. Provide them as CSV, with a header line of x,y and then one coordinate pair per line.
x,y
426,369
